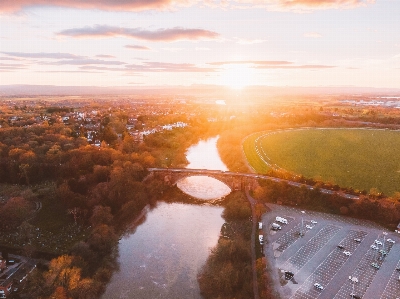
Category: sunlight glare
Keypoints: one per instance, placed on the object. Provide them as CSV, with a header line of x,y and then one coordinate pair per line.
x,y
237,76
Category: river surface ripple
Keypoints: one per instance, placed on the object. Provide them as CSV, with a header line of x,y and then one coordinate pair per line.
x,y
162,258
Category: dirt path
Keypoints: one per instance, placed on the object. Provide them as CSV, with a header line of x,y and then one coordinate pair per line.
x,y
253,249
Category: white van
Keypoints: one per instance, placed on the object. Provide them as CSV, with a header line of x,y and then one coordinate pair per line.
x,y
261,239
276,226
259,225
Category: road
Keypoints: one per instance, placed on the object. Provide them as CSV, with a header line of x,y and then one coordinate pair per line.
x,y
253,249
249,175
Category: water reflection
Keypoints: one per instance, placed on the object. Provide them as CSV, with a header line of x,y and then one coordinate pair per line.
x,y
204,155
203,187
163,257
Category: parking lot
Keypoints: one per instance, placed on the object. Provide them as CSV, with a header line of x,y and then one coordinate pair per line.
x,y
317,255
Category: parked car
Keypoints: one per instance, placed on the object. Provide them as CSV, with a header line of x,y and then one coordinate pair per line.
x,y
340,246
281,220
276,226
318,286
308,226
375,265
261,239
260,225
391,241
357,240
374,247
348,253
378,242
314,222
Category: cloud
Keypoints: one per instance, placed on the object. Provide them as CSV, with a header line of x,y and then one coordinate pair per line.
x,y
257,62
9,67
301,5
152,66
137,47
168,67
43,55
76,71
105,56
84,62
306,66
141,5
160,35
312,34
272,64
114,5
101,68
9,58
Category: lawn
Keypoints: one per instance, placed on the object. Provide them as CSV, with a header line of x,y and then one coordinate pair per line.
x,y
357,158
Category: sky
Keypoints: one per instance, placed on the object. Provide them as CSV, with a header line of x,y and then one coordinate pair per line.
x,y
141,43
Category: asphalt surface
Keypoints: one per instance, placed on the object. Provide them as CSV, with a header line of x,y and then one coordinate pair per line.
x,y
315,256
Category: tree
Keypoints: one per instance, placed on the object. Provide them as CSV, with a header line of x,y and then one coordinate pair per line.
x,y
14,212
102,239
101,215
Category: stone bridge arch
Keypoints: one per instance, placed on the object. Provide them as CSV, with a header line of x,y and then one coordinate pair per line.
x,y
235,181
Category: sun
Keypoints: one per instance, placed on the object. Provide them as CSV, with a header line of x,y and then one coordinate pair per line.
x,y
237,76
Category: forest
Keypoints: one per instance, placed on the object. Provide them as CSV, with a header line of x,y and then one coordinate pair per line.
x,y
63,197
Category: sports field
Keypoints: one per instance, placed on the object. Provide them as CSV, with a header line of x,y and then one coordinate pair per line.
x,y
358,158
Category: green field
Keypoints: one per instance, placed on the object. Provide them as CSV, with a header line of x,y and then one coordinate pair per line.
x,y
357,158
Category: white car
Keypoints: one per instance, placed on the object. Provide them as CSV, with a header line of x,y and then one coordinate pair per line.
x,y
276,226
281,220
374,247
314,222
347,253
308,226
318,286
378,242
383,252
391,241
358,240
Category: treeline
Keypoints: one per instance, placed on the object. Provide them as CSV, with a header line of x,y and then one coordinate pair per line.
x,y
100,188
227,272
381,210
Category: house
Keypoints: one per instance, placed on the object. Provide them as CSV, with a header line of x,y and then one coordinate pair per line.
x,y
3,264
14,276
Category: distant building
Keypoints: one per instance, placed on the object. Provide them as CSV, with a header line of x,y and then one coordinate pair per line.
x,y
14,276
3,264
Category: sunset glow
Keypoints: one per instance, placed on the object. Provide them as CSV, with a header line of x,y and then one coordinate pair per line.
x,y
237,76
168,43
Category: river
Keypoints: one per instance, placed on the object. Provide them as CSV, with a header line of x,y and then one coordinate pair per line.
x,y
162,258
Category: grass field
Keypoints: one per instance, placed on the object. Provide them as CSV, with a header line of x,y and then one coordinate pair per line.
x,y
357,158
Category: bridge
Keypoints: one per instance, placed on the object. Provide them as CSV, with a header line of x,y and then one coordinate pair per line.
x,y
234,180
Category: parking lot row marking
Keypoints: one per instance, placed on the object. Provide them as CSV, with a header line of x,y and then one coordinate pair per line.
x,y
328,268
364,272
291,236
392,289
307,251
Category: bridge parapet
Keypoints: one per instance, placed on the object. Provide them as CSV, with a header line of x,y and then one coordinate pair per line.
x,y
235,181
